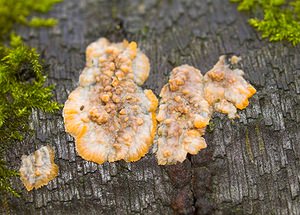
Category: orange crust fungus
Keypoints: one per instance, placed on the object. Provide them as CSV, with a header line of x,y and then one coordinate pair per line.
x,y
226,89
187,104
183,115
110,116
38,168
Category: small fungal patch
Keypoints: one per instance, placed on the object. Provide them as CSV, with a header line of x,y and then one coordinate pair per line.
x,y
38,168
225,88
110,116
188,101
183,115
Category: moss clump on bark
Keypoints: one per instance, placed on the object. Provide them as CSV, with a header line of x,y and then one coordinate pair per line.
x,y
276,19
18,12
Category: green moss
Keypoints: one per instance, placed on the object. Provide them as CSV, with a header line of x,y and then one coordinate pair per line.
x,y
18,12
22,79
279,19
5,175
211,126
22,89
38,22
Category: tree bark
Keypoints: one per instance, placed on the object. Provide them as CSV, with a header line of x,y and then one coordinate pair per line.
x,y
251,164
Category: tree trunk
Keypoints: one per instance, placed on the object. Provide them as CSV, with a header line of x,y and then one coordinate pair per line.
x,y
251,164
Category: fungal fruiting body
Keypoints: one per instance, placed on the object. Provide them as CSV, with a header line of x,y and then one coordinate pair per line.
x,y
109,115
226,89
187,104
38,168
183,115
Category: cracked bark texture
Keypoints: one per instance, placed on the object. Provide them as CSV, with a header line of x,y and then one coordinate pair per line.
x,y
251,165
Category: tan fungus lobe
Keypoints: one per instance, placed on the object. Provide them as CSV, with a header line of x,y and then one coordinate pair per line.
x,y
183,115
226,89
109,115
187,103
38,168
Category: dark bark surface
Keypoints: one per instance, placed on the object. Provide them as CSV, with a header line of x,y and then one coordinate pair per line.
x,y
251,165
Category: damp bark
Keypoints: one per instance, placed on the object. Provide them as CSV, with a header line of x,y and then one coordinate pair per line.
x,y
251,164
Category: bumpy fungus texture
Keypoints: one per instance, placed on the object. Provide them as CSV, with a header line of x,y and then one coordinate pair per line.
x,y
38,168
109,115
183,115
188,101
226,89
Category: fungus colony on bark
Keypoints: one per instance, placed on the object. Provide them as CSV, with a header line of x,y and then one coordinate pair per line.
x,y
112,118
38,168
188,101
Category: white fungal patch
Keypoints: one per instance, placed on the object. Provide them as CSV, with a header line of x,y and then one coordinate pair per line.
x,y
187,103
183,113
38,168
109,115
226,89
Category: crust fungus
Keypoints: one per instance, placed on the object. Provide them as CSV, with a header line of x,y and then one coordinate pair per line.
x,y
188,101
109,115
112,118
226,89
38,168
183,115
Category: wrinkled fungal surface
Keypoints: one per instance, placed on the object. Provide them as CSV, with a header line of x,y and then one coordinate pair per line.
x,y
188,101
38,168
226,89
183,115
109,115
